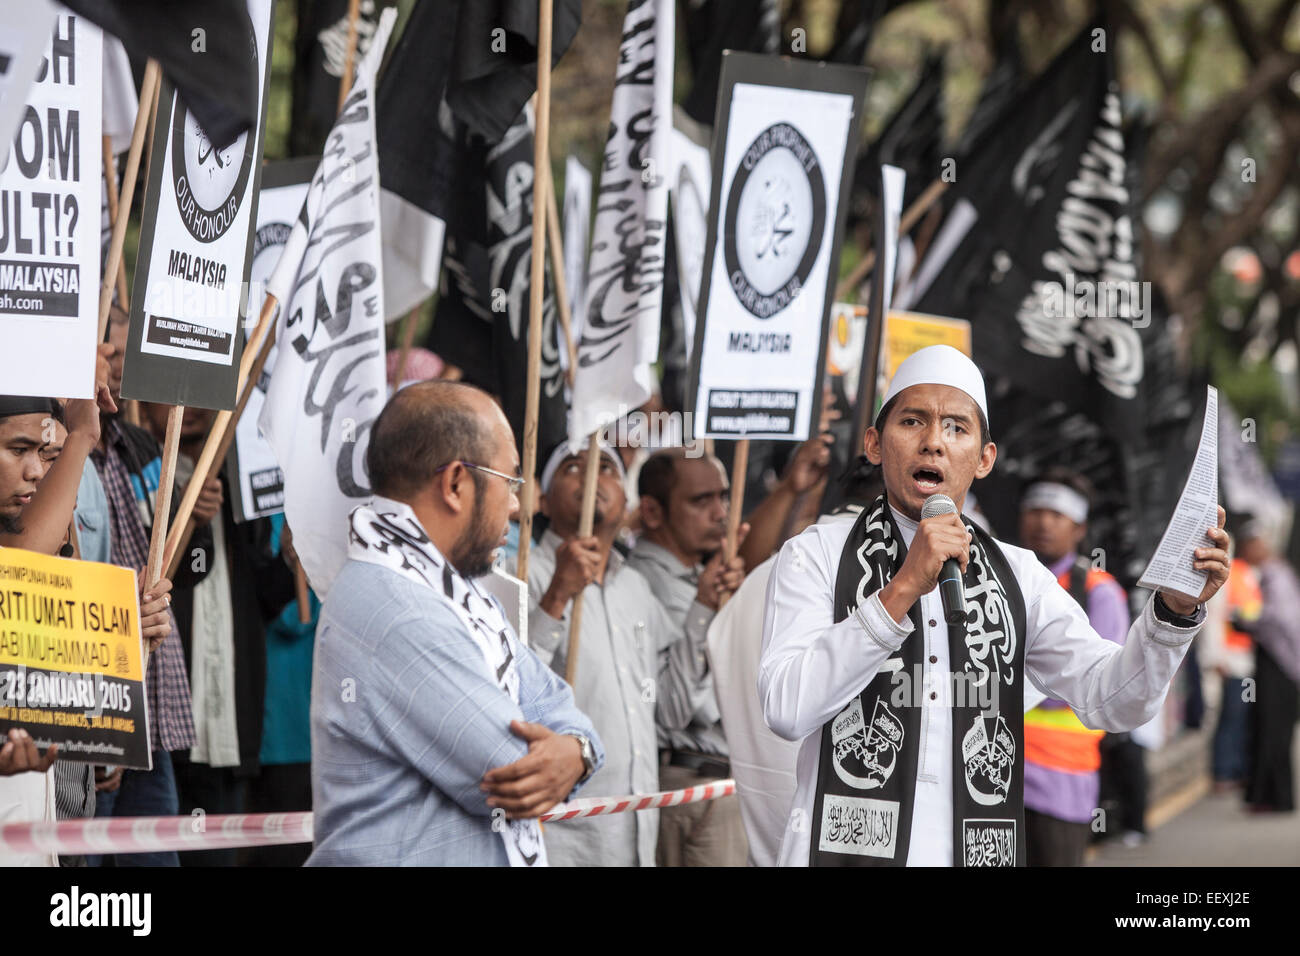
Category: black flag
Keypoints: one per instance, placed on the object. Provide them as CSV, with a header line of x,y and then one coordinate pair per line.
x,y
912,140
433,94
716,25
441,176
856,27
999,92
1048,271
481,323
203,48
494,57
319,59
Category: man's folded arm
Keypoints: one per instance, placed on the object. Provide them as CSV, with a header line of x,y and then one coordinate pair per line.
x,y
811,666
439,709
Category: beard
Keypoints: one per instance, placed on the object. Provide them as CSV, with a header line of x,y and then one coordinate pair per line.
x,y
10,524
474,553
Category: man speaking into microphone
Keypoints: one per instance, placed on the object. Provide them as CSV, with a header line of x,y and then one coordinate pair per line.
x,y
911,727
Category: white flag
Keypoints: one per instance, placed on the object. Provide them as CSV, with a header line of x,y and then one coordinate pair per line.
x,y
690,183
625,274
328,385
577,226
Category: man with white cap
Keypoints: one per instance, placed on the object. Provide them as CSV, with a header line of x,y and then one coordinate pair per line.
x,y
624,630
911,729
1062,756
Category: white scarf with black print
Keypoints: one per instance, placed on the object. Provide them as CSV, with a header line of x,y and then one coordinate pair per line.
x,y
387,533
866,781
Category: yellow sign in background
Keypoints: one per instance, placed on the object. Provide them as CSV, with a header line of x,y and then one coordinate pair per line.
x,y
908,332
65,615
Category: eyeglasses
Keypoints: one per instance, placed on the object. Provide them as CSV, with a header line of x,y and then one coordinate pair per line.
x,y
514,481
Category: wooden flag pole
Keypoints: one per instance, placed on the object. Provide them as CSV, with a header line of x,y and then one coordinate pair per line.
x,y
905,224
556,241
110,190
163,498
253,355
130,407
537,285
345,81
148,89
739,474
174,550
586,524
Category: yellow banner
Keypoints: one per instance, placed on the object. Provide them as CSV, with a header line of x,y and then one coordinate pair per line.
x,y
908,332
73,616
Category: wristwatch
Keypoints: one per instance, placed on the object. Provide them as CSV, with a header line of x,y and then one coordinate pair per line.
x,y
588,757
1167,614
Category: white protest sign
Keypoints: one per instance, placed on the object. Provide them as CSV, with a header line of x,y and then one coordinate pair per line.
x,y
776,209
24,34
689,191
198,254
259,490
49,194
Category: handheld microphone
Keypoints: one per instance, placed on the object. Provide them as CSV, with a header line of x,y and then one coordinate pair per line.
x,y
951,590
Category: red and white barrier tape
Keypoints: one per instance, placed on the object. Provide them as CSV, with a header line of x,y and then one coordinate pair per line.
x,y
228,831
157,834
599,806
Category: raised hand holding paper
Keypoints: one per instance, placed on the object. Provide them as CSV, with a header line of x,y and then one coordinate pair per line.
x,y
1171,567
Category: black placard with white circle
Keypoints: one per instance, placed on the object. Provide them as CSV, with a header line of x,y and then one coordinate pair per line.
x,y
785,138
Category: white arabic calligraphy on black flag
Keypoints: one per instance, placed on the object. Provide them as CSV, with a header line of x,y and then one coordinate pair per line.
x,y
328,385
620,338
1054,245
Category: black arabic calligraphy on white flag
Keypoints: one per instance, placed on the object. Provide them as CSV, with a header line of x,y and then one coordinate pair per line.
x,y
329,385
620,338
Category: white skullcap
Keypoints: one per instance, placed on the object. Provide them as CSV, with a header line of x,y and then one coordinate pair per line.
x,y
939,365
563,451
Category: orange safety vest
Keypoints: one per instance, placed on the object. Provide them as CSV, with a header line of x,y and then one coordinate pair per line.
x,y
1054,737
1245,601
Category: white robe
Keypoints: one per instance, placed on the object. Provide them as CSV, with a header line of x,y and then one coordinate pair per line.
x,y
811,667
27,797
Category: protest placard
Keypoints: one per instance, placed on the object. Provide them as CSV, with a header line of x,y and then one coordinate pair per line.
x,y
49,191
71,658
24,32
259,490
785,133
908,332
191,285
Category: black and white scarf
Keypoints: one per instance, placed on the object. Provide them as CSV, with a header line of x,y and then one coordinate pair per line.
x,y
866,780
387,533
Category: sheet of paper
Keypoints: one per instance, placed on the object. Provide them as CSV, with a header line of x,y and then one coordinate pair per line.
x,y
513,595
1171,565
